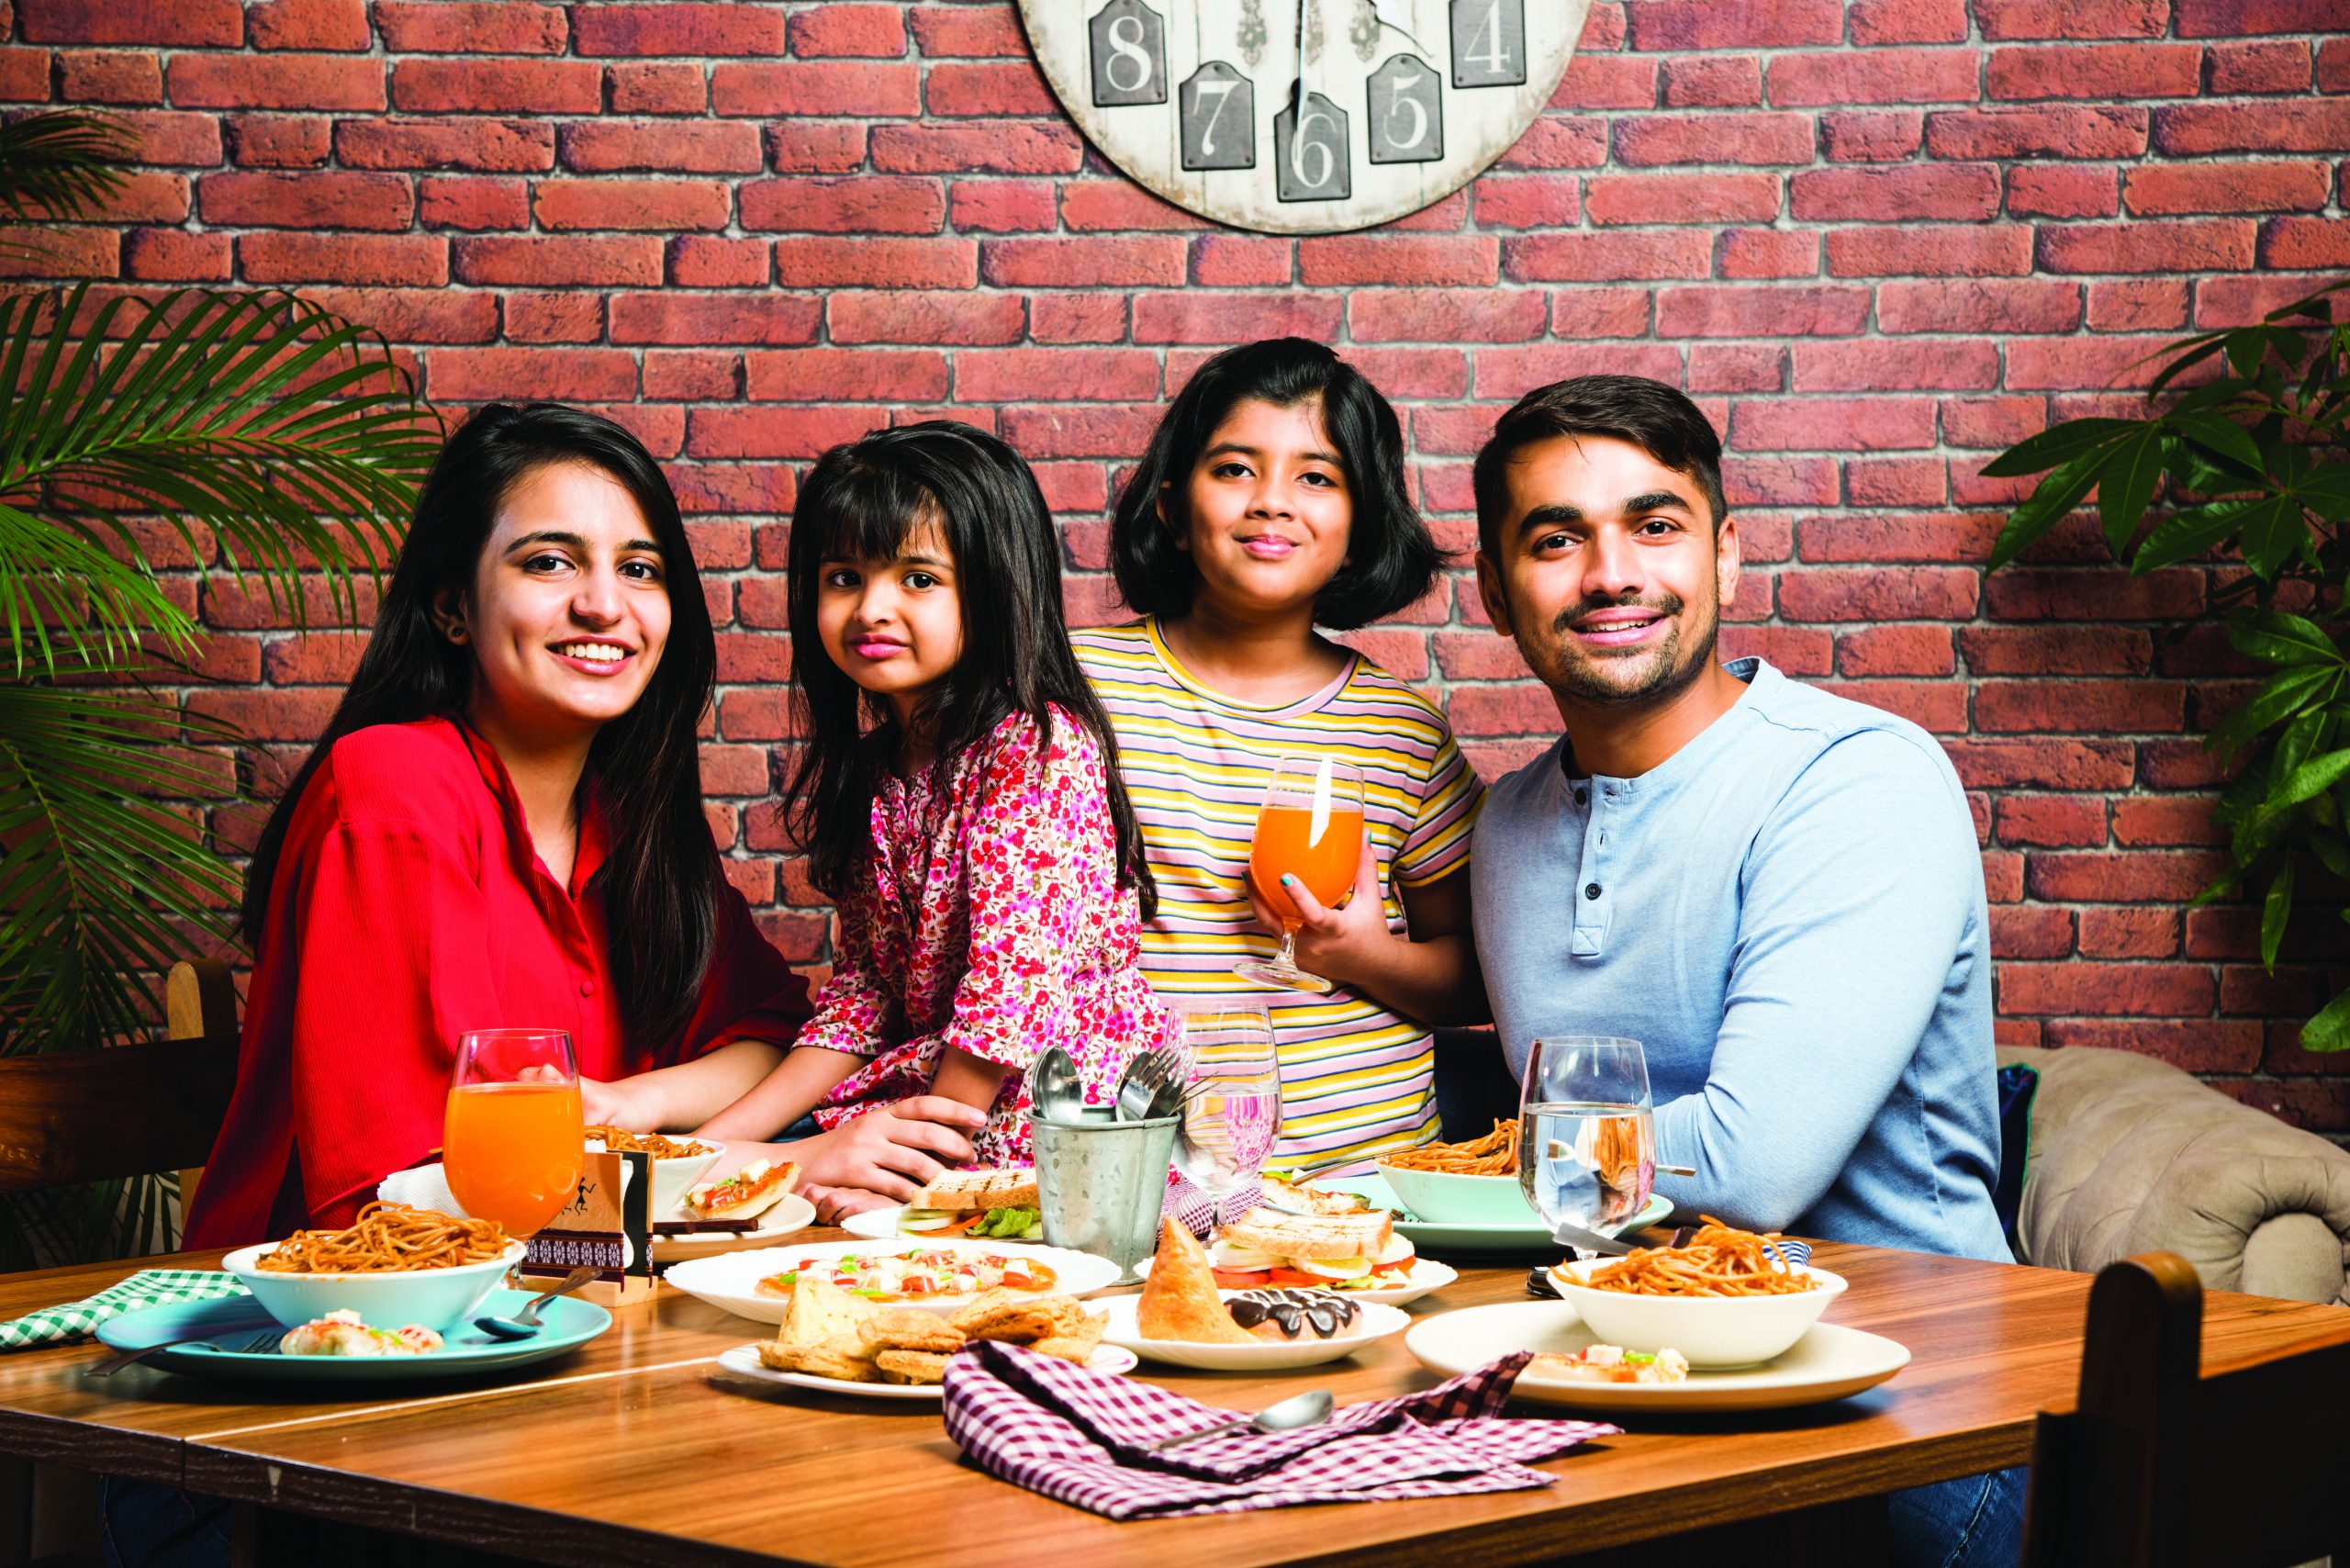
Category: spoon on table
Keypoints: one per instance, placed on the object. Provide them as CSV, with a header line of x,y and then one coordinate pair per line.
x,y
1053,1087
525,1323
1299,1410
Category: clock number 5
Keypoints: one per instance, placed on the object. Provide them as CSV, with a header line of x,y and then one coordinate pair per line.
x,y
1406,112
1128,52
1488,43
1217,119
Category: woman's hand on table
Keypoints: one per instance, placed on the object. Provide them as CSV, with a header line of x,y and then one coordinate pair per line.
x,y
891,1152
835,1204
611,1105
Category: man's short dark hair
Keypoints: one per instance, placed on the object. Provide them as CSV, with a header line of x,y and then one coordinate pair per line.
x,y
1648,414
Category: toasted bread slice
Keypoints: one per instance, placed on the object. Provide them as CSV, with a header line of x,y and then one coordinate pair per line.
x,y
1311,1238
821,1313
1179,1300
968,1191
752,1191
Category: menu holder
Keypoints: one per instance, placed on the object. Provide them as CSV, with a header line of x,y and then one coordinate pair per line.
x,y
606,1227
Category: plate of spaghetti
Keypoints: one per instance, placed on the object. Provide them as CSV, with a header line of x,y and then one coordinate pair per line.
x,y
1726,1298
678,1163
393,1264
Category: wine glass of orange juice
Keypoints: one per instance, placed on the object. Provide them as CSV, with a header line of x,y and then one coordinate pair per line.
x,y
1310,827
513,1146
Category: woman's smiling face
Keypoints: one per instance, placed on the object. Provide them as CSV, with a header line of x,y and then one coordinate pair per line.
x,y
1267,513
569,608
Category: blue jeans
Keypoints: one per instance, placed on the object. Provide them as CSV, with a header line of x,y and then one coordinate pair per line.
x,y
146,1524
1975,1521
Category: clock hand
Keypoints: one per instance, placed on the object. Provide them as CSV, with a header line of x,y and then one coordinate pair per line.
x,y
1390,13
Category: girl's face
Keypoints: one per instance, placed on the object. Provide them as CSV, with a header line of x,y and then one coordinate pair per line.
x,y
893,627
1267,513
569,608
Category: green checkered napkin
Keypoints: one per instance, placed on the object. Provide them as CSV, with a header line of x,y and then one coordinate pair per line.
x,y
149,1287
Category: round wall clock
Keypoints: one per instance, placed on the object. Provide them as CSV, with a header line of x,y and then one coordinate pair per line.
x,y
1303,117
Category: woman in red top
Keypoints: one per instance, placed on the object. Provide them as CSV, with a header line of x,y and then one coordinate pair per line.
x,y
503,826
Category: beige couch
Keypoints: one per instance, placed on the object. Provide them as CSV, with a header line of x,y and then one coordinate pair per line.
x,y
2129,1154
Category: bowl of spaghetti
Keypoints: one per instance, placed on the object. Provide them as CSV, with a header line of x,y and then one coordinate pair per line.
x,y
678,1162
393,1265
1472,1182
1726,1299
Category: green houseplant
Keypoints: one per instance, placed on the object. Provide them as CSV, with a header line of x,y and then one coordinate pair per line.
x,y
255,430
2247,426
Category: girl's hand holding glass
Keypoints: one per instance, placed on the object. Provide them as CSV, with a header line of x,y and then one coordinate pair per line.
x,y
1309,833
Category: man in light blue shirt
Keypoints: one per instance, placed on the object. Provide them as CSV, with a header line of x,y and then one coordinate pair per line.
x,y
1775,891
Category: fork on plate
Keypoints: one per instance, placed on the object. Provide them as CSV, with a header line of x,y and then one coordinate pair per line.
x,y
260,1344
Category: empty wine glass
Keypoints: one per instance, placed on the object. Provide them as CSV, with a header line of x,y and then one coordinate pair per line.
x,y
1586,1146
1232,1114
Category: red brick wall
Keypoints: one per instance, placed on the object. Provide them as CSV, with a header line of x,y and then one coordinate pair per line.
x,y
1878,241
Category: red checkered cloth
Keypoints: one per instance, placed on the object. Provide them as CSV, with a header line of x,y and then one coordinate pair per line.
x,y
1079,1437
1196,1211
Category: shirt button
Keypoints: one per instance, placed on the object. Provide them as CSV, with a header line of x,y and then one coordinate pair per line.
x,y
1583,797
1590,890
587,988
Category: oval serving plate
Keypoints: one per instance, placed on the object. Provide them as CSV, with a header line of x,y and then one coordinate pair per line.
x,y
1377,1323
1428,1236
731,1279
1428,1275
1829,1362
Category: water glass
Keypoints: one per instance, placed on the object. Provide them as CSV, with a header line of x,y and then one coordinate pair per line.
x,y
1232,1112
1586,1147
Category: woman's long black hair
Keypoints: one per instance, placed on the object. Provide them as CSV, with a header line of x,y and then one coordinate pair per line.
x,y
1392,559
660,883
859,504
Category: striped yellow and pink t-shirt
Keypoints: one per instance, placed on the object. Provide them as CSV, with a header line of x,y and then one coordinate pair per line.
x,y
1357,1080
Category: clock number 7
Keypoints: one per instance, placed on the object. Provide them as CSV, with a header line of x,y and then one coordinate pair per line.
x,y
1215,94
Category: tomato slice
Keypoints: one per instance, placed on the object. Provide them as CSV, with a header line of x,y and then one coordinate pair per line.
x,y
1282,1276
1243,1279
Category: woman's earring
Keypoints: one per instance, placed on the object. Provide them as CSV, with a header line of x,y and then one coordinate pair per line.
x,y
457,633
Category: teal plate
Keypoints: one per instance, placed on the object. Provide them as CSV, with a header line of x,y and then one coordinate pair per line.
x,y
235,1320
1428,1236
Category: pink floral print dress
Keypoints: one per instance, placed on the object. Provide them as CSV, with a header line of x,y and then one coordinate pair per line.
x,y
989,919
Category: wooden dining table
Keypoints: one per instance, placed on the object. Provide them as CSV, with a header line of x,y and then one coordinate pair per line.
x,y
639,1448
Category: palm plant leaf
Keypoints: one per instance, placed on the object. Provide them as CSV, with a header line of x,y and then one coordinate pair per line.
x,y
258,421
60,164
103,887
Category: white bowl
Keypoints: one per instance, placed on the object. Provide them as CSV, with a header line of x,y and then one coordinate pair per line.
x,y
1443,1197
672,1178
1710,1331
434,1298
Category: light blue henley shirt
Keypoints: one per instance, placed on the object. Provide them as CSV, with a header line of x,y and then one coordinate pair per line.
x,y
1788,914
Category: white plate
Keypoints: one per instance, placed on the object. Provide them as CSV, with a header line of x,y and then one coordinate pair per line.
x,y
1376,1323
1829,1362
881,1224
731,1279
795,1212
1426,1275
742,1361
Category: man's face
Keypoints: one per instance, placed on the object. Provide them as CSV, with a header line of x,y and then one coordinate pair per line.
x,y
1608,572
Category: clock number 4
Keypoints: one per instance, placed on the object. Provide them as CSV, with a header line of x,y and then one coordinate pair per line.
x,y
1217,116
1488,43
1310,152
1128,50
1406,112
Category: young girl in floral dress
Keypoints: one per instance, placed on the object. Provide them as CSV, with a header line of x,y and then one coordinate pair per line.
x,y
957,796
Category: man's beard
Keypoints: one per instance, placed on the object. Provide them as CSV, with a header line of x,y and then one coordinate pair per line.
x,y
1643,675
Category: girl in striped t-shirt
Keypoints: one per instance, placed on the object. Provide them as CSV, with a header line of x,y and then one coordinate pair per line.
x,y
1272,499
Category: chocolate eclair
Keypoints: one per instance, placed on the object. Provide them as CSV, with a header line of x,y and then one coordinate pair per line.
x,y
1287,1313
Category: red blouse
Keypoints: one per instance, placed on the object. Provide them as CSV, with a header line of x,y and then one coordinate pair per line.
x,y
408,907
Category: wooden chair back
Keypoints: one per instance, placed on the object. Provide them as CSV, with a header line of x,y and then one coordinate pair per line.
x,y
2160,1467
76,1116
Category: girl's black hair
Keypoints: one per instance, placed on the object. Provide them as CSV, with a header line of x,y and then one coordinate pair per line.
x,y
1392,558
662,879
859,504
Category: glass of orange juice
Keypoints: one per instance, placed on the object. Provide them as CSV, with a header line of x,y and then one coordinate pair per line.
x,y
513,1145
1310,827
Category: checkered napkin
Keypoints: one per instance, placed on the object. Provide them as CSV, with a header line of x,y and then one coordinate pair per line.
x,y
1196,1211
150,1287
1078,1436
